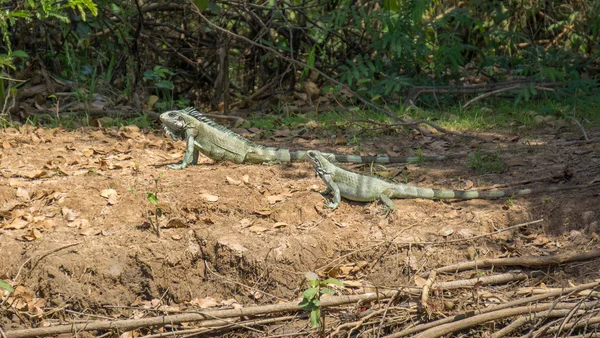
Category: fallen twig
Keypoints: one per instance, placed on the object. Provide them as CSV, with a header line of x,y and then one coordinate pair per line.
x,y
539,310
527,261
426,287
585,136
506,305
516,324
202,317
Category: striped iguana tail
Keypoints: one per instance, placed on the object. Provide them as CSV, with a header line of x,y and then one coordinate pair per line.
x,y
407,191
299,155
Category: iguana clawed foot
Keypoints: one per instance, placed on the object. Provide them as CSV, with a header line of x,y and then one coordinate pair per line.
x,y
176,166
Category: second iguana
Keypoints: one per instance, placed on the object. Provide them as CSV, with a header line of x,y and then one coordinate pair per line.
x,y
219,143
363,188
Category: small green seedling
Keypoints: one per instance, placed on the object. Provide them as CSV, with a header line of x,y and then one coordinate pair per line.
x,y
311,297
5,286
152,197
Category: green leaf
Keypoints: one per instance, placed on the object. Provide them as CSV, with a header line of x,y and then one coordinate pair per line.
x,y
310,293
327,291
214,7
306,305
4,285
315,316
311,276
152,198
165,84
201,4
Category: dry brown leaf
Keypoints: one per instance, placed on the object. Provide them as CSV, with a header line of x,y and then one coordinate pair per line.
x,y
233,181
352,284
69,214
264,212
89,231
419,281
151,101
340,140
257,229
275,198
446,231
17,223
246,179
280,225
209,197
176,237
245,222
110,195
176,223
32,235
23,194
48,224
204,303
35,174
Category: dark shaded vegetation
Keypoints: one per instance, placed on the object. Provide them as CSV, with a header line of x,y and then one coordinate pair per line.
x,y
110,58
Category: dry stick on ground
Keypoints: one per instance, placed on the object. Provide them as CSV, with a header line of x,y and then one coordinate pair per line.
x,y
355,325
527,261
494,92
506,305
529,317
131,324
426,287
414,92
525,319
588,321
203,317
540,311
329,78
585,136
252,322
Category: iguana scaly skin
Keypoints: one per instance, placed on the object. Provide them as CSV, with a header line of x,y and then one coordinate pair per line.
x,y
219,143
363,188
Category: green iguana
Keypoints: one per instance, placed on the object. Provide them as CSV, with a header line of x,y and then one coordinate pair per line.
x,y
219,143
363,188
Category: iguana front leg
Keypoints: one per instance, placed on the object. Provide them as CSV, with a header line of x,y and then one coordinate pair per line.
x,y
190,157
331,186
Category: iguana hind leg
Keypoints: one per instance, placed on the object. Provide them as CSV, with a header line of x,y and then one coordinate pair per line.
x,y
388,202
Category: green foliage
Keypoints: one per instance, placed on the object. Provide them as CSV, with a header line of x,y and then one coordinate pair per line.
x,y
40,10
311,297
160,77
5,286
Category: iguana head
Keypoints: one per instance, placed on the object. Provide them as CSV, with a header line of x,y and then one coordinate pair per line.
x,y
318,161
175,121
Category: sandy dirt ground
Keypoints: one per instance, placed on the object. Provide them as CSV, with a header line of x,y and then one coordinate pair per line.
x,y
78,239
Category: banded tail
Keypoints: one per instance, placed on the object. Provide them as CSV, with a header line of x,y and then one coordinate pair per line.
x,y
407,191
